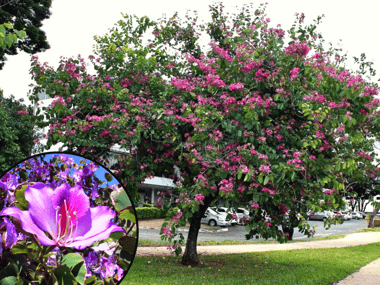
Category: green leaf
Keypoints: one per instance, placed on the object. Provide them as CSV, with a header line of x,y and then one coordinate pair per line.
x,y
108,176
260,178
75,262
23,174
10,270
64,275
20,197
7,25
266,180
19,248
128,243
11,280
127,215
239,174
293,176
90,279
120,200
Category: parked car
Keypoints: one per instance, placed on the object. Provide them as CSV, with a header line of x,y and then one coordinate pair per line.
x,y
336,213
344,215
357,215
242,214
347,215
235,216
215,218
320,215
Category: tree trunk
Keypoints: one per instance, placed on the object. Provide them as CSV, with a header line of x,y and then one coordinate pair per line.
x,y
289,230
190,256
374,213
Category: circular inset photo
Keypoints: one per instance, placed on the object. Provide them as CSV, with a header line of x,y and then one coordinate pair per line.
x,y
64,220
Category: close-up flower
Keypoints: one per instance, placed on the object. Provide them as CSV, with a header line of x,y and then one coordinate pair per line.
x,y
63,216
57,215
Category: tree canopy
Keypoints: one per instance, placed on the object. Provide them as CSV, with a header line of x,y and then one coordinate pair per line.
x,y
17,135
26,15
259,117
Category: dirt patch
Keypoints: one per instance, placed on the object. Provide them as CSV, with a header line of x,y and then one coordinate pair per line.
x,y
151,224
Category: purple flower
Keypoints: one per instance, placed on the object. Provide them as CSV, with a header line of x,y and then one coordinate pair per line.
x,y
65,214
8,182
53,259
108,268
9,237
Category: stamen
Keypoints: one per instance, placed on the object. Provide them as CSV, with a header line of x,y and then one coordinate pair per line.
x,y
57,220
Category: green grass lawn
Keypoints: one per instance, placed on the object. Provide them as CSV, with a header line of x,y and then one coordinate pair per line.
x,y
302,266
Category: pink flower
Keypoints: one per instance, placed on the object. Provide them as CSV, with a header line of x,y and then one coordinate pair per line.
x,y
264,169
238,86
263,139
199,198
166,232
298,49
272,192
254,205
294,73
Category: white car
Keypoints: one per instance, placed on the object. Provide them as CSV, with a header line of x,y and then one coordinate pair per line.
x,y
357,215
242,214
215,218
347,215
235,216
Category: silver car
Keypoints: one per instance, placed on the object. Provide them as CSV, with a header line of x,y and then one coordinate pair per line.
x,y
320,215
215,218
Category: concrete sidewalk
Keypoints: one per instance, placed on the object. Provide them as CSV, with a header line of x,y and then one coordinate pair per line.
x,y
369,274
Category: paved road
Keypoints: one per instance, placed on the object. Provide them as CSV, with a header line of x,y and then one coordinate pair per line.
x,y
238,232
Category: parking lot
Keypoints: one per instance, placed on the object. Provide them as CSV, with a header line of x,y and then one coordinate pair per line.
x,y
239,232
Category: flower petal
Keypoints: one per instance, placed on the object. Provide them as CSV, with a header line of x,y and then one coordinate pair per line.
x,y
27,224
101,227
82,242
77,204
75,198
41,208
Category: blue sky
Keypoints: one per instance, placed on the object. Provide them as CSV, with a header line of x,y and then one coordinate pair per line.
x,y
99,173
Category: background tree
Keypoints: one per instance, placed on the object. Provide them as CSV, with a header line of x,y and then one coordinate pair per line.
x,y
250,119
26,15
10,152
12,146
18,137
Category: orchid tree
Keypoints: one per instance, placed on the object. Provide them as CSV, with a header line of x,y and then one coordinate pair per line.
x,y
53,230
259,117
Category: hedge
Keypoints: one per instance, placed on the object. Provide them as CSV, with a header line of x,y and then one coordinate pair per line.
x,y
149,213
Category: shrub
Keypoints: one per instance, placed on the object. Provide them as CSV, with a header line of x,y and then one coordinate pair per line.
x,y
149,213
147,205
376,224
